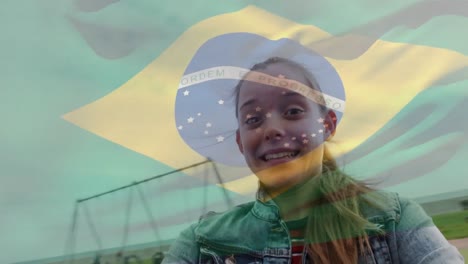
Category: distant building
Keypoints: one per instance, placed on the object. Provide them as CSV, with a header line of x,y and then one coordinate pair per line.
x,y
445,202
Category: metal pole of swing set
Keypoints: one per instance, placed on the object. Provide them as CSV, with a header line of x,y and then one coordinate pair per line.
x,y
78,201
142,181
70,245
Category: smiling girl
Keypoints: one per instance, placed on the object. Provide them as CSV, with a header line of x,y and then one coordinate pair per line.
x,y
307,210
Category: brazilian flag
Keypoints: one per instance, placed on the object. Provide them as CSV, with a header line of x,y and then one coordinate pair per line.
x,y
88,93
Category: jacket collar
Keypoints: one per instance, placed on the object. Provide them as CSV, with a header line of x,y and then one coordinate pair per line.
x,y
264,207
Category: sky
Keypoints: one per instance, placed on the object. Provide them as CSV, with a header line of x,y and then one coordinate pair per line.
x,y
88,92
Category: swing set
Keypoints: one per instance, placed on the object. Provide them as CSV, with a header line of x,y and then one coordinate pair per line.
x,y
121,256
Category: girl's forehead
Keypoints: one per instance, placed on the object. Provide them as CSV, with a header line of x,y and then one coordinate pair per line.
x,y
284,70
252,89
253,94
275,78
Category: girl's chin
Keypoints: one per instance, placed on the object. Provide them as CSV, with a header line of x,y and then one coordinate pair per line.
x,y
279,175
279,184
275,170
286,175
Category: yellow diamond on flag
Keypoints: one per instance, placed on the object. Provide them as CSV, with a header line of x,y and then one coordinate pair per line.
x,y
140,116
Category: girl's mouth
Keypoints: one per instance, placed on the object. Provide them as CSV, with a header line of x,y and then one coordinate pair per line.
x,y
280,156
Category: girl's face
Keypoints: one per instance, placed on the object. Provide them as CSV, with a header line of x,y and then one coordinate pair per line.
x,y
281,133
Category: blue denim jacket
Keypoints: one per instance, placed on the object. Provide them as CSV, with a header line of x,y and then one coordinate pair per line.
x,y
254,233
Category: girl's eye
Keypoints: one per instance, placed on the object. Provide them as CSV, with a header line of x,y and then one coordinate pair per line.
x,y
294,111
252,120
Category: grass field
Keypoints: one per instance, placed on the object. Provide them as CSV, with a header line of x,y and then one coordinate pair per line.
x,y
453,225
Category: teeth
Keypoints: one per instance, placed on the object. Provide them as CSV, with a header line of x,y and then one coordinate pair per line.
x,y
279,155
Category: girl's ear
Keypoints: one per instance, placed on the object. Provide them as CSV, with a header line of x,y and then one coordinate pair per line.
x,y
238,141
330,124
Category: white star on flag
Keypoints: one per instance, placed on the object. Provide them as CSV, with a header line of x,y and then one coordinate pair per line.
x,y
304,135
321,131
206,132
258,109
220,138
208,124
199,114
220,102
286,144
320,120
305,141
180,127
186,92
313,135
190,119
268,115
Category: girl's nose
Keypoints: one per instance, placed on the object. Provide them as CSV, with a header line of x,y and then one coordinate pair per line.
x,y
273,129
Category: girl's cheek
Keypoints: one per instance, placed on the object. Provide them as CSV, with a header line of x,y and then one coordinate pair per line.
x,y
245,135
253,139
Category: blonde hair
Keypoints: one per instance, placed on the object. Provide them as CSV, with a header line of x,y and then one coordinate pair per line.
x,y
336,230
